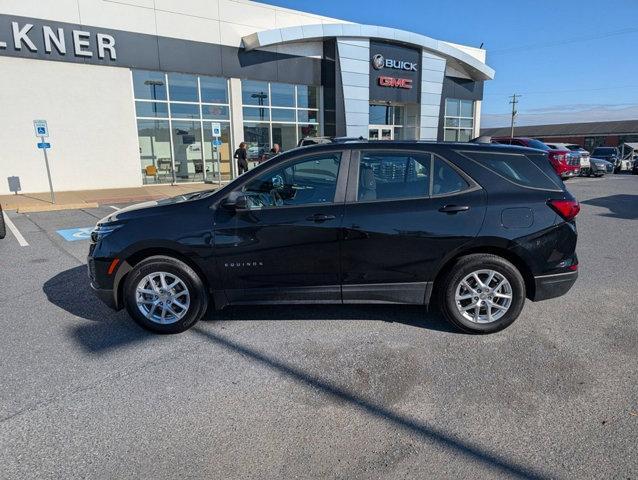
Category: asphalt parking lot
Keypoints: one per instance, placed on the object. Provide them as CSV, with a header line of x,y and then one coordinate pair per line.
x,y
322,391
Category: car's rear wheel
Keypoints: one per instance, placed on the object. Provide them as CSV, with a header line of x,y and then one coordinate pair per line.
x,y
482,293
165,295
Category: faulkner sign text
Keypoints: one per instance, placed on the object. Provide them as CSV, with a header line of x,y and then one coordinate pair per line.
x,y
24,35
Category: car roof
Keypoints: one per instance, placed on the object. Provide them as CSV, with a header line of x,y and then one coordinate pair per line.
x,y
414,144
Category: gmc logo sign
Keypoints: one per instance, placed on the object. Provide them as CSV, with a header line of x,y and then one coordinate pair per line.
x,y
405,83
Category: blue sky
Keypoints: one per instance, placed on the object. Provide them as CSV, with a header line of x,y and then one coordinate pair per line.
x,y
572,60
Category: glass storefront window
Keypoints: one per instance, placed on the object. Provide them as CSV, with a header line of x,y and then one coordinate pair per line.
x,y
278,113
282,95
215,112
254,93
172,149
307,96
223,153
184,110
213,90
187,145
380,115
182,88
257,138
308,116
149,85
283,115
151,109
285,135
155,151
459,120
257,114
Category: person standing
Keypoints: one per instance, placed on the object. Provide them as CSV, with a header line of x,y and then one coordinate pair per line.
x,y
241,155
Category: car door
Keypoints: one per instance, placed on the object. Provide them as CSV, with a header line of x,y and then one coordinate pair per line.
x,y
405,211
285,245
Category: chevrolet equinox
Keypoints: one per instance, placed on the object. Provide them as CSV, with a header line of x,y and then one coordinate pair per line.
x,y
473,228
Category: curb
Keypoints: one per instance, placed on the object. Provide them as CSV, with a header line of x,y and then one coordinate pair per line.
x,y
55,208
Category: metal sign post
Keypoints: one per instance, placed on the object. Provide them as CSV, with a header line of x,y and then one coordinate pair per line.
x,y
42,131
217,133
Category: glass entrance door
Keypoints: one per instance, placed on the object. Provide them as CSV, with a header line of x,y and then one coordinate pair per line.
x,y
380,132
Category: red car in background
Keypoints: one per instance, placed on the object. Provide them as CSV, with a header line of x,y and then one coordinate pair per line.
x,y
561,161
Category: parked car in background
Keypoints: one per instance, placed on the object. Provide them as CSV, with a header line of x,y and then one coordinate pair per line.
x,y
576,153
564,165
634,169
478,227
610,154
628,153
599,167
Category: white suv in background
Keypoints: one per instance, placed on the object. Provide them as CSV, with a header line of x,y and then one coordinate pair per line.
x,y
577,150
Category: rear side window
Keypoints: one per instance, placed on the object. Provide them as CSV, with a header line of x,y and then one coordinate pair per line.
x,y
516,168
446,180
393,175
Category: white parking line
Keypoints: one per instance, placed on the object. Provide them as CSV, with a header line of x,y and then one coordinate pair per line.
x,y
114,208
15,231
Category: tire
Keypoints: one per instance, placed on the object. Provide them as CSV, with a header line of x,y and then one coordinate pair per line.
x,y
3,229
464,267
190,294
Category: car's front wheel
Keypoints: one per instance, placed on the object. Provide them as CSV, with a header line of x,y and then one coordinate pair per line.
x,y
482,293
165,295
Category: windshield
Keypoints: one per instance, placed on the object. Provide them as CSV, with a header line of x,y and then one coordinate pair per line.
x,y
604,151
537,144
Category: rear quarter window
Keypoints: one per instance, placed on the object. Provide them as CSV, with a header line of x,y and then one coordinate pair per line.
x,y
516,168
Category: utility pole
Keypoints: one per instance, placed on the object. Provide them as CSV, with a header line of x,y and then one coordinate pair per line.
x,y
514,102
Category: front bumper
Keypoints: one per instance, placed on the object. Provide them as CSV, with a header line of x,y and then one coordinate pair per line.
x,y
552,286
106,295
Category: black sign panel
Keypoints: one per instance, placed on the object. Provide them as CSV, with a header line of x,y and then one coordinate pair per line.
x,y
395,73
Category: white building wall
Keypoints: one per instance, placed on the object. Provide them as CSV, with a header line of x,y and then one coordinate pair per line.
x,y
222,22
91,119
354,61
432,73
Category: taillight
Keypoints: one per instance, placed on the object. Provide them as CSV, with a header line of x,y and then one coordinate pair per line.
x,y
568,209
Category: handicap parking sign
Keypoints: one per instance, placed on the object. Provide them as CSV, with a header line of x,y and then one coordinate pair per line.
x,y
75,234
41,128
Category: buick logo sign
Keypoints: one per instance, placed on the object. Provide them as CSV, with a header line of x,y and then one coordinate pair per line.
x,y
378,62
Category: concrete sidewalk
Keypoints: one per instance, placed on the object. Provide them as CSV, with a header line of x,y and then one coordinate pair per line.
x,y
41,202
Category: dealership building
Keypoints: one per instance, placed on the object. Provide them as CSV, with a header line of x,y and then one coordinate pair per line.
x,y
138,92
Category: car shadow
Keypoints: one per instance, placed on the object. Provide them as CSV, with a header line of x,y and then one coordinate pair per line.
x,y
620,206
107,330
70,291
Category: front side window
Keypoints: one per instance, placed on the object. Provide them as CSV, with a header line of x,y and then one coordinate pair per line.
x,y
311,180
393,175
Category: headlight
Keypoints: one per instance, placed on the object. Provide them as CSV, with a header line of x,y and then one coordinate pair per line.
x,y
103,230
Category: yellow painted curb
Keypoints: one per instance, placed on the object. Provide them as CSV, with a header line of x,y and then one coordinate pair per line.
x,y
55,208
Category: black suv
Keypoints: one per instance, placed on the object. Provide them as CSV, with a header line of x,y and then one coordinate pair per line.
x,y
478,228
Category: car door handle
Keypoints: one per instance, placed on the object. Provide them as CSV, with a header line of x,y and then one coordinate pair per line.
x,y
320,217
454,208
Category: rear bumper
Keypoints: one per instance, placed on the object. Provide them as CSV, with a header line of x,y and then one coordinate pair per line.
x,y
552,286
570,173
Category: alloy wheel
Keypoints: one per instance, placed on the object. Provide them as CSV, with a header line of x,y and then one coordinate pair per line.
x,y
162,297
483,296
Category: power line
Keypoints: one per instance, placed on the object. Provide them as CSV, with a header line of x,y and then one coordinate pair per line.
x,y
585,38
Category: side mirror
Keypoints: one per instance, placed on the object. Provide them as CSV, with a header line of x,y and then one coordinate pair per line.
x,y
236,201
